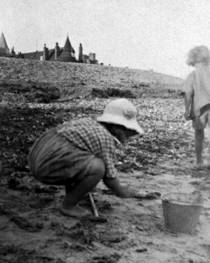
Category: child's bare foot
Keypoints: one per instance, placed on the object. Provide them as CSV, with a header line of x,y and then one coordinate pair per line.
x,y
199,165
206,165
75,211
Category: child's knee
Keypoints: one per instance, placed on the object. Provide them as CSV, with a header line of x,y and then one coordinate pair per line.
x,y
97,167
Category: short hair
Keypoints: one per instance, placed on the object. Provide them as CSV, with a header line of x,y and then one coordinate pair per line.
x,y
199,54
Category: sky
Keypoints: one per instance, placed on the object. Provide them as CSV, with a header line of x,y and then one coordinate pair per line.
x,y
142,34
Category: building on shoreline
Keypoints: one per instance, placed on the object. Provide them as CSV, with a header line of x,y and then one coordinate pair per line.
x,y
4,50
64,54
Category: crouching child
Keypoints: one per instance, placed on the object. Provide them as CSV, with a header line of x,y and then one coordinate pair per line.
x,y
80,153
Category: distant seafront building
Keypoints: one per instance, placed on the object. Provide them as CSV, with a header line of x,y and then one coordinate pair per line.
x,y
64,54
4,50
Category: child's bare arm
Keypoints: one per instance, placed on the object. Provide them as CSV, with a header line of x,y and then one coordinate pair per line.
x,y
188,104
188,98
118,189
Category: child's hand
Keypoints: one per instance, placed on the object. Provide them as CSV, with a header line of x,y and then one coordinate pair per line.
x,y
148,196
187,115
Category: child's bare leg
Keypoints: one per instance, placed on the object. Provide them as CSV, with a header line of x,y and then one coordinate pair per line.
x,y
199,137
208,145
95,173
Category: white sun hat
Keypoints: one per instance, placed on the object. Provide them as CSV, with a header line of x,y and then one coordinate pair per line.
x,y
122,112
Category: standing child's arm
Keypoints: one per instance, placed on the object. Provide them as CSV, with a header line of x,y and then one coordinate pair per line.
x,y
188,98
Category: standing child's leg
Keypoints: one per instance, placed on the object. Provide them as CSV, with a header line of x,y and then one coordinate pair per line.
x,y
207,133
199,137
95,172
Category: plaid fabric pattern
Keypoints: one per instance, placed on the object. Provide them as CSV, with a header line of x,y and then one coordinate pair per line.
x,y
89,135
